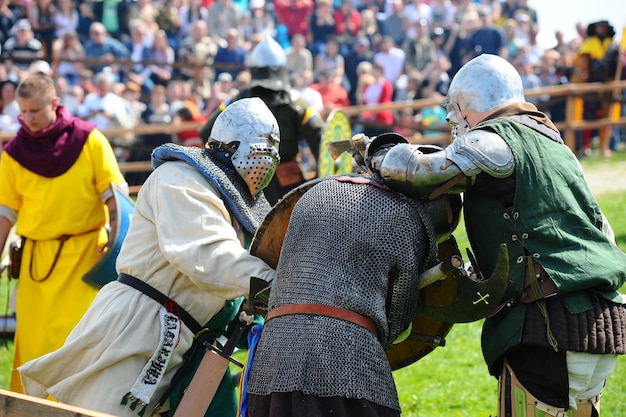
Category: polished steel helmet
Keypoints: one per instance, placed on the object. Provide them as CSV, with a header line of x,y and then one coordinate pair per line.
x,y
268,53
485,82
268,66
251,124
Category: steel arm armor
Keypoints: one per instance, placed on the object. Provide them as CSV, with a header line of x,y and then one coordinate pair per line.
x,y
406,168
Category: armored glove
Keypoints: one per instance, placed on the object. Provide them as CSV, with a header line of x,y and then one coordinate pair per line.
x,y
358,145
378,147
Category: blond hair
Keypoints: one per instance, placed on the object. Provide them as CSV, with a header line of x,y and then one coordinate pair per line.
x,y
36,85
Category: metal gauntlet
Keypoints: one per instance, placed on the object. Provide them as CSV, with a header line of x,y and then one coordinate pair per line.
x,y
411,170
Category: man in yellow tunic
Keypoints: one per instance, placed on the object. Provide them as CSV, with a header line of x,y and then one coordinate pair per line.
x,y
596,61
55,178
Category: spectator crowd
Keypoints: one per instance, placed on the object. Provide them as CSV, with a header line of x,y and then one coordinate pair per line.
x,y
122,63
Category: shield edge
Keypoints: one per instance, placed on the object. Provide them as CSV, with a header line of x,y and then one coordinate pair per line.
x,y
104,270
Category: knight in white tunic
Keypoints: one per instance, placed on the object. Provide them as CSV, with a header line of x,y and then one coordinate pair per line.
x,y
186,240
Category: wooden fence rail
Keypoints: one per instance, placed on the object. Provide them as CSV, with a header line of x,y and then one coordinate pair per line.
x,y
19,405
568,93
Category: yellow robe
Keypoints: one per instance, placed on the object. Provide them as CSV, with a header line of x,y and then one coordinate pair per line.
x,y
51,300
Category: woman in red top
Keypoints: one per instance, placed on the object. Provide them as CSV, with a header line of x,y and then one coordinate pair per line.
x,y
294,14
348,24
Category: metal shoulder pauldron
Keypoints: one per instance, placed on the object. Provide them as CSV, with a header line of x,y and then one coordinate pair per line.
x,y
481,150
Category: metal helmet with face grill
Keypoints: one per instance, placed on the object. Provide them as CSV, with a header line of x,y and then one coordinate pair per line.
x,y
251,124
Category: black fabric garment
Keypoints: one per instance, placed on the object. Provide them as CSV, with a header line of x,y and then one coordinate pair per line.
x,y
287,404
542,372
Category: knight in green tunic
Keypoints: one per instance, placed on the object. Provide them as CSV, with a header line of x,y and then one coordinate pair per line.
x,y
554,338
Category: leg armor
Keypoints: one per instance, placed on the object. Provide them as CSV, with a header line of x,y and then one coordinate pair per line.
x,y
514,400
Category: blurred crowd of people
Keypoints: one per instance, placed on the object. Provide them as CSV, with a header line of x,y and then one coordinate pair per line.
x,y
121,63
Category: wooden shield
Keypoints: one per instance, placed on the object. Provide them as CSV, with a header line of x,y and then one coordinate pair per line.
x,y
426,334
104,270
268,239
337,129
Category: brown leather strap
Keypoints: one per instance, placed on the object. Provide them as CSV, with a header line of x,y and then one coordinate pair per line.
x,y
171,305
62,241
323,310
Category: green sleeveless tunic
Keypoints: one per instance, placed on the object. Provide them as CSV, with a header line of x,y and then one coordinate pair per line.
x,y
555,220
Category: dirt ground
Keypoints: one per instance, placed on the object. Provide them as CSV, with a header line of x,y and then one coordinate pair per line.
x,y
608,178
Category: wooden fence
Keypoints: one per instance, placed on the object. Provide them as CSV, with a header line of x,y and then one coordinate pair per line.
x,y
569,93
13,404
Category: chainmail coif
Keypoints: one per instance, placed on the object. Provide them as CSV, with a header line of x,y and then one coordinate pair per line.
x,y
248,209
360,247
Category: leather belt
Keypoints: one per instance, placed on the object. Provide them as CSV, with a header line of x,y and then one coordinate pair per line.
x,y
323,310
162,299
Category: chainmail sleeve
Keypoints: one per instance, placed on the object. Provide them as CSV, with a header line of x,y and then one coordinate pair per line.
x,y
360,247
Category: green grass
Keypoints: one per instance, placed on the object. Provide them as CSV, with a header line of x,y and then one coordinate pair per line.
x,y
6,362
6,345
453,380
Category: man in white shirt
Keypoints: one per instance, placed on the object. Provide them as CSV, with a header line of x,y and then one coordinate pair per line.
x,y
392,58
